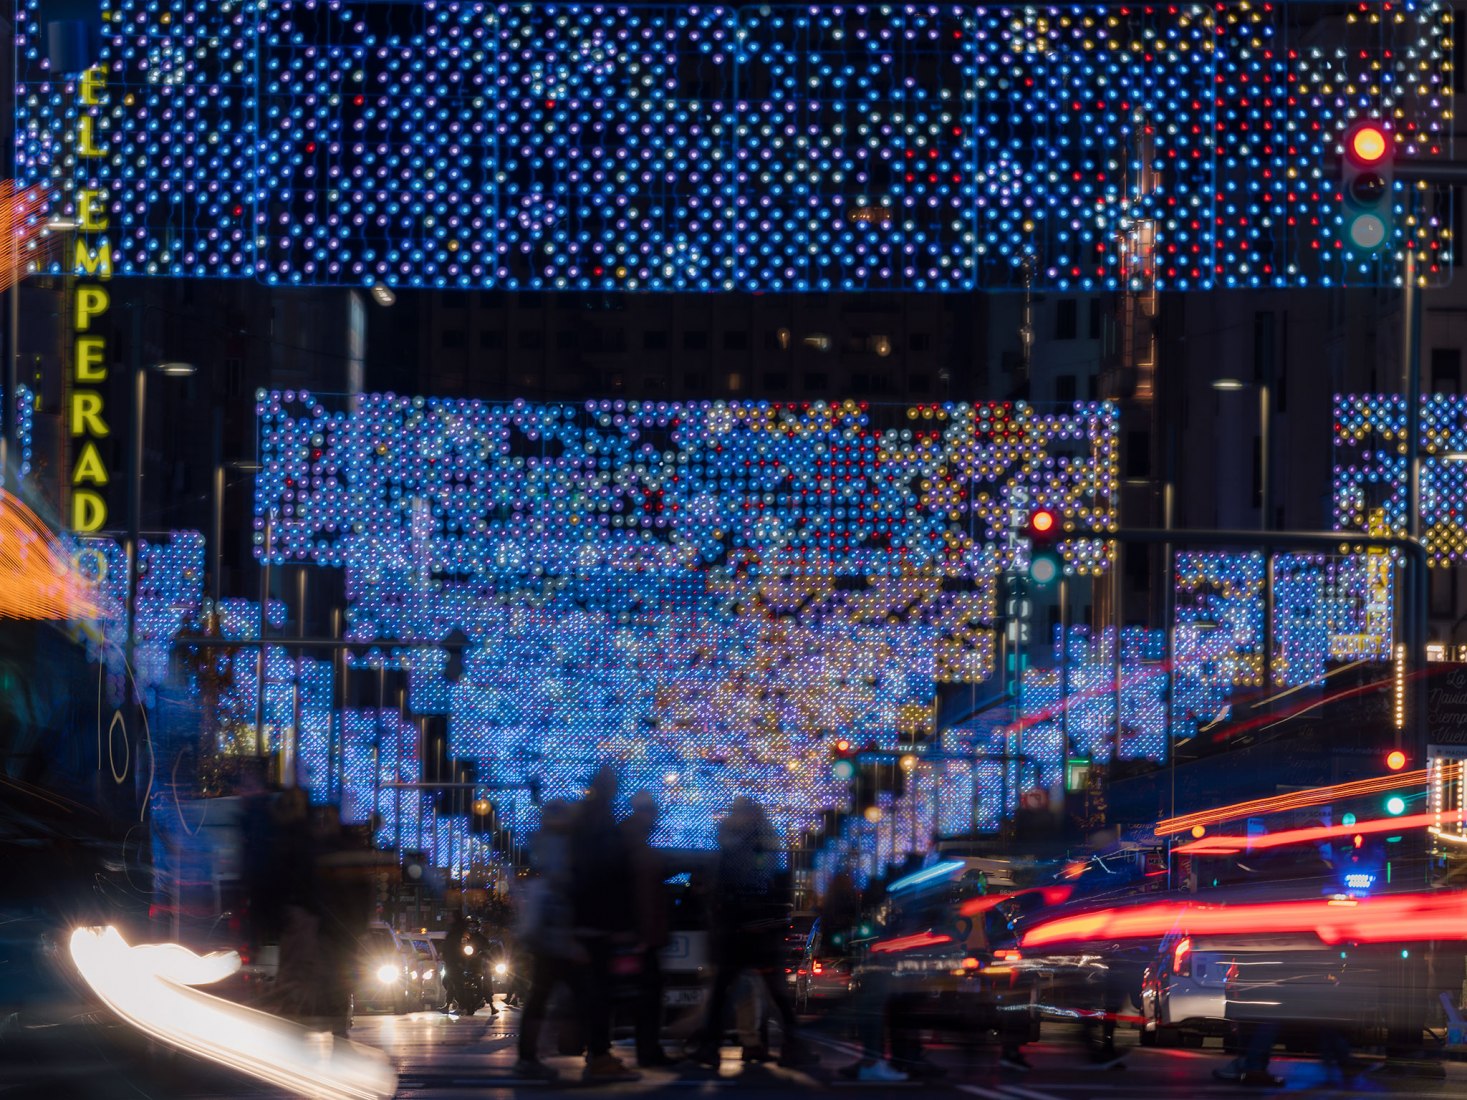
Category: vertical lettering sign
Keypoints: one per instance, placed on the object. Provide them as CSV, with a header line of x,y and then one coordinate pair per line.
x,y
85,425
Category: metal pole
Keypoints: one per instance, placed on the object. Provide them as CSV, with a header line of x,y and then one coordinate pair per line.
x,y
134,494
217,532
264,624
1411,364
1265,500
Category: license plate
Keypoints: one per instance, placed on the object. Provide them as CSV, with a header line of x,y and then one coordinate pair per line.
x,y
682,996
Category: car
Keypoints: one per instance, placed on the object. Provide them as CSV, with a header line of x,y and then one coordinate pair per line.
x,y
426,969
1184,992
383,965
823,981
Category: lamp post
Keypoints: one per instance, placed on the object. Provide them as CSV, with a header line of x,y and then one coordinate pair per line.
x,y
1265,502
172,369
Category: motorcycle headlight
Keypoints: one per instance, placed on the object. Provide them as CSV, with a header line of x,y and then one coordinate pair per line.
x,y
501,969
387,973
468,949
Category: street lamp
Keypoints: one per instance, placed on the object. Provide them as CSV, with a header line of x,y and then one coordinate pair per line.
x,y
172,369
1265,501
1265,414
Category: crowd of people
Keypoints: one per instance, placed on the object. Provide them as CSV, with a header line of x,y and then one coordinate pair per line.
x,y
594,919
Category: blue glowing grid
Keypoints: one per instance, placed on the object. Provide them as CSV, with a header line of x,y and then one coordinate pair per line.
x,y
658,148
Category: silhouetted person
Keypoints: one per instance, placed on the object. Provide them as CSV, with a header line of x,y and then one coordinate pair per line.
x,y
547,931
604,918
649,897
749,920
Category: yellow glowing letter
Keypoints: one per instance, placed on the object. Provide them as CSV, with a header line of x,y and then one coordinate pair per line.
x,y
91,359
90,212
93,81
89,466
88,511
91,301
98,263
86,414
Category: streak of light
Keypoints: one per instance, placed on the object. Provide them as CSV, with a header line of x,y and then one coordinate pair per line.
x,y
1390,918
1226,845
1294,800
909,943
1313,683
150,986
37,577
1053,895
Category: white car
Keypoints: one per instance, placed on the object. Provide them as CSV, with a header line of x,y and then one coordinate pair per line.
x,y
1184,992
426,968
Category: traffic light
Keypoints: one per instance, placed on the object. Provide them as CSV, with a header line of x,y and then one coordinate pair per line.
x,y
1045,563
1395,805
843,766
1365,186
1395,760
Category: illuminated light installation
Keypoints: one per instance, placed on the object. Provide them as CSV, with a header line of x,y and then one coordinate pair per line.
x,y
1389,918
1370,470
937,147
1314,796
713,590
151,987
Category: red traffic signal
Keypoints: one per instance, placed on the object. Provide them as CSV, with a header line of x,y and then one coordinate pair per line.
x,y
1044,525
1366,172
1395,760
1367,144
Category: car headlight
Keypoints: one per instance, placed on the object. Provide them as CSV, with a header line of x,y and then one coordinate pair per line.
x,y
468,949
387,973
501,969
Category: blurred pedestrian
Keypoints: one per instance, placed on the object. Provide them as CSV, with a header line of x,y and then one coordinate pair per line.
x,y
749,921
1100,1029
547,931
649,896
604,919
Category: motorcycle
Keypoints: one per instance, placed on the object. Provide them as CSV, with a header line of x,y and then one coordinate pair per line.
x,y
469,985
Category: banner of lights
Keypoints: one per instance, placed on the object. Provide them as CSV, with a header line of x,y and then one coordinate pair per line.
x,y
709,594
919,147
1370,489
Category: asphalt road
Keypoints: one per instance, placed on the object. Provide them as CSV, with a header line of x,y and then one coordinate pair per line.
x,y
439,1058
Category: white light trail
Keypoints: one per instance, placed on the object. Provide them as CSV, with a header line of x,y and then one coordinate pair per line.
x,y
150,986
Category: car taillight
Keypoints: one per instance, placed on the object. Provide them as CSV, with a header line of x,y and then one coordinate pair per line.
x,y
817,969
1182,958
1007,954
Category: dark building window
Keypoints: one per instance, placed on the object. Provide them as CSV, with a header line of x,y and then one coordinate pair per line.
x,y
530,339
491,339
919,383
1064,387
735,341
654,340
776,381
1443,584
1066,319
816,382
567,339
1097,317
919,341
452,338
860,382
1138,454
695,341
1446,370
694,383
454,301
